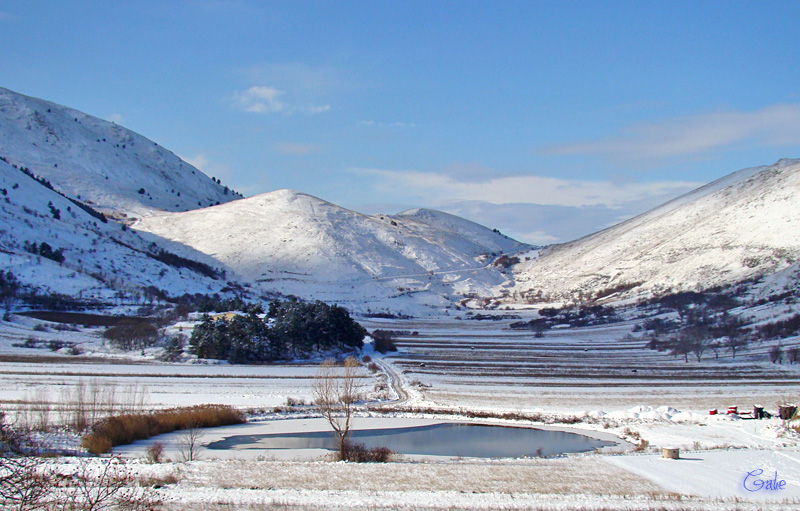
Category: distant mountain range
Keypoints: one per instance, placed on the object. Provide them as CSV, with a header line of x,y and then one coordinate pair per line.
x,y
131,219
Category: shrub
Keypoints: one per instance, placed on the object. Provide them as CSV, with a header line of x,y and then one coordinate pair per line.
x,y
780,329
294,401
173,348
96,444
55,345
177,261
45,250
359,453
793,354
383,341
54,211
155,453
159,481
9,286
131,334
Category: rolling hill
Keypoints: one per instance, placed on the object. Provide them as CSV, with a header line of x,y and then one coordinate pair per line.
x,y
301,245
742,226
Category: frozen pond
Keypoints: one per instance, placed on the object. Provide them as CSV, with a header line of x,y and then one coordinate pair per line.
x,y
415,438
443,439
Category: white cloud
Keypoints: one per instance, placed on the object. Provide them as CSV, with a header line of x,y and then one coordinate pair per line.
x,y
260,99
208,167
199,162
116,117
265,100
774,125
430,188
537,238
534,209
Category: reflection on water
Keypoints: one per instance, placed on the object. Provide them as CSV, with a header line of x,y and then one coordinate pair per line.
x,y
468,440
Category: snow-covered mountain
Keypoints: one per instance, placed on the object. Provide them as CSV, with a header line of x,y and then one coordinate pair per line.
x,y
101,163
298,244
52,244
744,225
59,168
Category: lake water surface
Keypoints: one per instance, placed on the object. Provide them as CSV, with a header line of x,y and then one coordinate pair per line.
x,y
445,439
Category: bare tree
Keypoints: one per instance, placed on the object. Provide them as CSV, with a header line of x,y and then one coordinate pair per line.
x,y
735,342
24,482
189,443
109,485
681,346
41,402
776,354
336,392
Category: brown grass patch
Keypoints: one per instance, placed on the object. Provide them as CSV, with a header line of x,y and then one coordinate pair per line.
x,y
127,428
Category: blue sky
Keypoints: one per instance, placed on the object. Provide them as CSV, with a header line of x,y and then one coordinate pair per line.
x,y
547,120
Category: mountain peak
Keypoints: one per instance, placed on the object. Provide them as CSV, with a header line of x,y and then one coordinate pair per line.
x,y
98,162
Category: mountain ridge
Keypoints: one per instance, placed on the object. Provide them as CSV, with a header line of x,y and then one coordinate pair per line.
x,y
294,241
111,168
740,226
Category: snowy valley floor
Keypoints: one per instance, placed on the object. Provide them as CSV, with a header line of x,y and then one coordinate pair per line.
x,y
593,379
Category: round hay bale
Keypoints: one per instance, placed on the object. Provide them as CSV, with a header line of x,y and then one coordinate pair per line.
x,y
672,453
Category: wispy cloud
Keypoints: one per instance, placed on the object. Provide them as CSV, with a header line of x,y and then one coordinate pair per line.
x,y
388,124
294,149
543,225
298,76
202,162
427,188
691,136
265,100
315,109
116,117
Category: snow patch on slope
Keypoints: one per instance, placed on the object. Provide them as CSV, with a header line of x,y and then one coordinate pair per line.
x,y
105,165
744,225
298,244
102,261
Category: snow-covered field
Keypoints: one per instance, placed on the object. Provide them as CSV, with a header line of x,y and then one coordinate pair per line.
x,y
478,364
580,378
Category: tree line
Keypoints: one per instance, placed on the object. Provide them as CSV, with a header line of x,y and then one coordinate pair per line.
x,y
290,329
